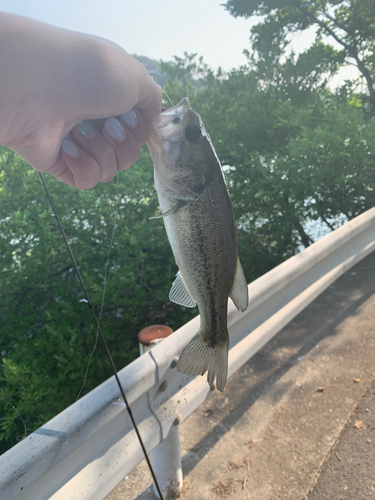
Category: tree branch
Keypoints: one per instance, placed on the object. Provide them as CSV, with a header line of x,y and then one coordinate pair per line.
x,y
352,50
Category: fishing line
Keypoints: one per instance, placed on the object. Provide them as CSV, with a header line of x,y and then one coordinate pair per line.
x,y
104,284
130,413
169,99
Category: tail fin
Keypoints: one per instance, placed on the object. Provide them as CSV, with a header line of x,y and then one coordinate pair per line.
x,y
198,357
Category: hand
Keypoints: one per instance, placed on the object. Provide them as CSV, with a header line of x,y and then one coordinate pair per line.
x,y
74,105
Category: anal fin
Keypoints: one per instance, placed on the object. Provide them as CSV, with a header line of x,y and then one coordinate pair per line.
x,y
180,294
239,293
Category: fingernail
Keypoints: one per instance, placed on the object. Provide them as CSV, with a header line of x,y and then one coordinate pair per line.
x,y
86,128
113,128
130,118
70,148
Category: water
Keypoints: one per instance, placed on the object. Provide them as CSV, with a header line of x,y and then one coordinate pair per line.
x,y
317,229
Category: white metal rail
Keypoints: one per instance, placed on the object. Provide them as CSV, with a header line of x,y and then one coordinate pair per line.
x,y
86,450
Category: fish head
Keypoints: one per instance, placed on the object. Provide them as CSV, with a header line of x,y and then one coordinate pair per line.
x,y
181,151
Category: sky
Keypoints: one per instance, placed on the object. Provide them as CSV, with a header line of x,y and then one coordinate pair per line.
x,y
158,29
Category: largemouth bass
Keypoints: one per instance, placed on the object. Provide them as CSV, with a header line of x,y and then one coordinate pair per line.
x,y
199,221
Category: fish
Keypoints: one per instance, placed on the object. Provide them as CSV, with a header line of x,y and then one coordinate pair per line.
x,y
201,228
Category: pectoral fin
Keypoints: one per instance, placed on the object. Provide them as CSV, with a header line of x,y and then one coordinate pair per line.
x,y
239,293
180,294
178,205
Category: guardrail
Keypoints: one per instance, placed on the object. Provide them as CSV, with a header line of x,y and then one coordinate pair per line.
x,y
86,450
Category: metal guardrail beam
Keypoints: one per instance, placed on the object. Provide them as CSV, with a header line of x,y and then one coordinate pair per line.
x,y
86,450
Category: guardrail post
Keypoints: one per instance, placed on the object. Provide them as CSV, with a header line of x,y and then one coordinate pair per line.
x,y
165,458
166,462
152,335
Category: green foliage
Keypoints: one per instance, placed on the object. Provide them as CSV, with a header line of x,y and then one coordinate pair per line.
x,y
348,23
335,161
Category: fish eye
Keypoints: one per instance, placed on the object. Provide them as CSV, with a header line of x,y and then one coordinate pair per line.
x,y
192,133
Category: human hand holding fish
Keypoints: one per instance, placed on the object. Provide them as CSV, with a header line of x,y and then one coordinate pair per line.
x,y
200,224
63,88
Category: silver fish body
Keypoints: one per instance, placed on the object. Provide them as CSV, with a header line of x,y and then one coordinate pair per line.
x,y
201,229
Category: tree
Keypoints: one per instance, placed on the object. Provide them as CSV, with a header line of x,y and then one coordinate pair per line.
x,y
350,23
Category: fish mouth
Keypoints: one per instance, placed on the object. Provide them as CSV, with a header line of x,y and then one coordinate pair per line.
x,y
168,121
168,127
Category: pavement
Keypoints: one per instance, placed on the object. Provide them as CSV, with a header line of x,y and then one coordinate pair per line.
x,y
349,472
295,422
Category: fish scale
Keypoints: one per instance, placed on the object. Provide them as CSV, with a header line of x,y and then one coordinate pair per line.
x,y
210,278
